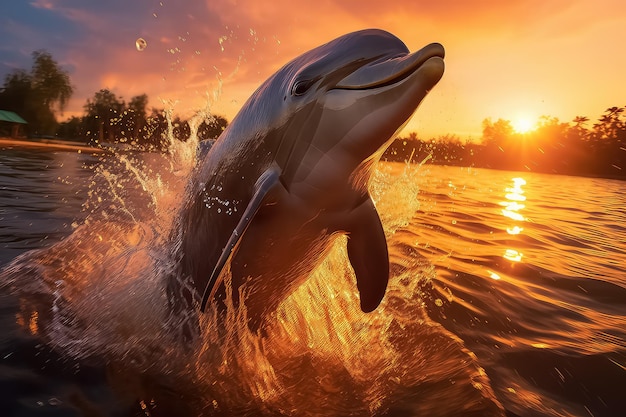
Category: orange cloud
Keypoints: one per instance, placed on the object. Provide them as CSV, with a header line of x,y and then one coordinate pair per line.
x,y
503,58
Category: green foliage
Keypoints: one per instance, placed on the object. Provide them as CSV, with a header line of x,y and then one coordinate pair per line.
x,y
43,92
37,95
50,83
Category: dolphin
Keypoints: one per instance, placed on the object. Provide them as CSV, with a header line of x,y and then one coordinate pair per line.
x,y
292,170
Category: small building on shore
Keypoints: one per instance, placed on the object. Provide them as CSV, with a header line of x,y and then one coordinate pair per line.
x,y
11,124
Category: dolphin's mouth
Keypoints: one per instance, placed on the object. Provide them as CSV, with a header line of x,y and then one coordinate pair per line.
x,y
388,71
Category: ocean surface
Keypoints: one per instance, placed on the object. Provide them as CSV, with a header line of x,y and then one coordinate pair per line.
x,y
507,297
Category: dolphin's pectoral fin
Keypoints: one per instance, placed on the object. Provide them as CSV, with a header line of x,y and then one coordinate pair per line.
x,y
264,184
367,251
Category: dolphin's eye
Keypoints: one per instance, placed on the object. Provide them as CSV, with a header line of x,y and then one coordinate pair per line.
x,y
301,87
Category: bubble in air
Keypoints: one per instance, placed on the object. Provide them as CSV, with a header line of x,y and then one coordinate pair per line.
x,y
141,44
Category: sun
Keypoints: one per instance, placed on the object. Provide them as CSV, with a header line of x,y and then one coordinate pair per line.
x,y
523,125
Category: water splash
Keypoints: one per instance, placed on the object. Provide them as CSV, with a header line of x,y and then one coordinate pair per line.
x,y
99,294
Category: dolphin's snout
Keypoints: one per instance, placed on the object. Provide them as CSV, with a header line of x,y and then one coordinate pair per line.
x,y
392,69
436,49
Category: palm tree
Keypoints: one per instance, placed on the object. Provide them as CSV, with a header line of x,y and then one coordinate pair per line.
x,y
50,83
580,121
37,95
609,124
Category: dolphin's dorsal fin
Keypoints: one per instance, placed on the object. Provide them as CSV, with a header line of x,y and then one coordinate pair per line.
x,y
264,184
367,251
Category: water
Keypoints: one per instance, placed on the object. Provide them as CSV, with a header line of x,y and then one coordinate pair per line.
x,y
507,297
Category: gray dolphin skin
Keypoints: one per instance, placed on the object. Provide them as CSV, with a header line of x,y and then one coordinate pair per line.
x,y
292,169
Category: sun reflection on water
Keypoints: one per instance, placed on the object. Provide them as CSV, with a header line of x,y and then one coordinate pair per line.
x,y
514,203
493,275
513,255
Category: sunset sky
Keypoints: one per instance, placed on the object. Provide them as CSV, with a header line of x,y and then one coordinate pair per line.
x,y
505,59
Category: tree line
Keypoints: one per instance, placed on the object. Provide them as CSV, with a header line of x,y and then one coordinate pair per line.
x,y
572,148
40,94
108,119
37,95
559,147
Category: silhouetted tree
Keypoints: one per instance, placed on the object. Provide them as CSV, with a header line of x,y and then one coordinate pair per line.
x,y
102,115
51,84
17,87
155,132
137,109
578,133
37,95
553,147
212,127
579,122
608,142
495,137
497,133
609,124
72,129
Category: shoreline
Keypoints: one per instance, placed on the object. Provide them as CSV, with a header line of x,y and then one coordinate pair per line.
x,y
48,144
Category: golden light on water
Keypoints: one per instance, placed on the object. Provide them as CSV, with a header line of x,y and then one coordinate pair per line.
x,y
515,230
514,196
512,206
494,276
513,255
321,319
513,214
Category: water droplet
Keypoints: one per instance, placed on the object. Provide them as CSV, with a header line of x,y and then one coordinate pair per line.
x,y
141,44
221,41
54,401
